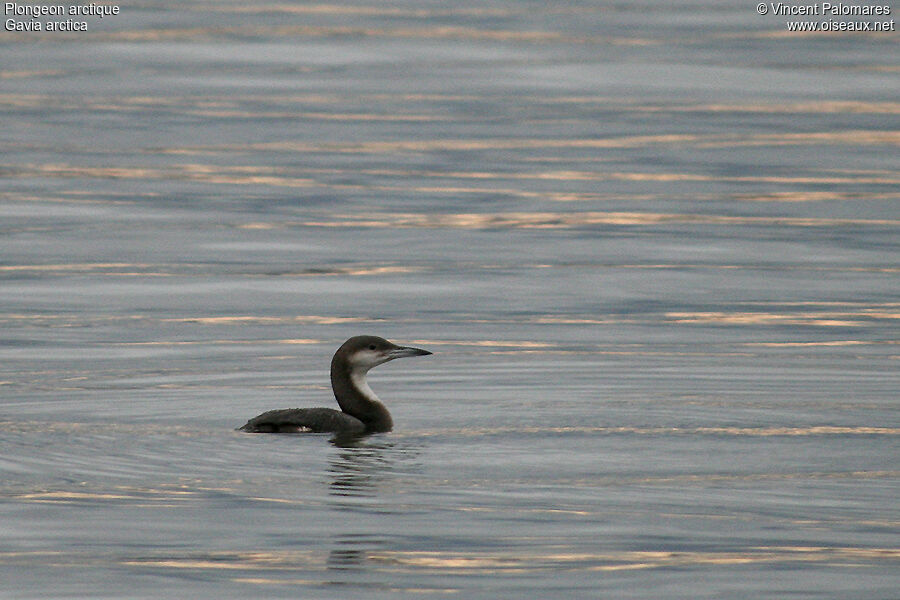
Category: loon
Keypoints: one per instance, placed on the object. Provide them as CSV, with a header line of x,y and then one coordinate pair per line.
x,y
361,410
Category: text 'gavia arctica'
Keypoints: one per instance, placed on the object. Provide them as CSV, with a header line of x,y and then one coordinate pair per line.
x,y
361,410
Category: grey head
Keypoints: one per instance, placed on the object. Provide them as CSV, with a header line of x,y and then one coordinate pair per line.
x,y
363,352
348,377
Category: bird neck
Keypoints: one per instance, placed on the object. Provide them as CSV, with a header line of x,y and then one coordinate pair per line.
x,y
356,398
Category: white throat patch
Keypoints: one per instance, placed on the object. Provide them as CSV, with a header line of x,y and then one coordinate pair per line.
x,y
358,379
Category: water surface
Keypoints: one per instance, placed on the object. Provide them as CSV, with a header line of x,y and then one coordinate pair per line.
x,y
653,247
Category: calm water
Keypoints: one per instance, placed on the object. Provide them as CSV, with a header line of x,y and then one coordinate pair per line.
x,y
653,246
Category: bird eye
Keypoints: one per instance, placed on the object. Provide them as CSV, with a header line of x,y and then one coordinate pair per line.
x,y
372,347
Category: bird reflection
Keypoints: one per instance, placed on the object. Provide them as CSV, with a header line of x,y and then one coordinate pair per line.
x,y
359,466
360,469
351,551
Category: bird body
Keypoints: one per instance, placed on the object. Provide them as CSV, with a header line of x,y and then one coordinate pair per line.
x,y
299,420
361,410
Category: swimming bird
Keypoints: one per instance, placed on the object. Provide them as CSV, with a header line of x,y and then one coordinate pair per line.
x,y
361,410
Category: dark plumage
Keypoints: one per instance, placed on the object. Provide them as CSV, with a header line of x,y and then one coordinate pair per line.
x,y
361,410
